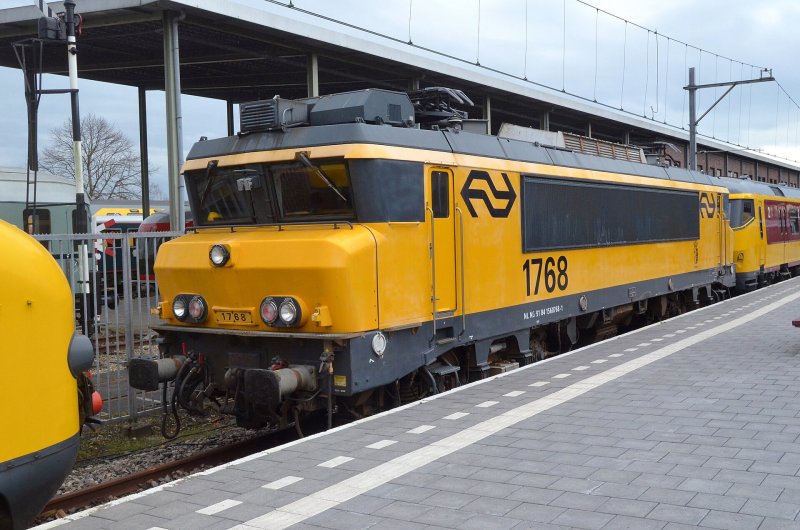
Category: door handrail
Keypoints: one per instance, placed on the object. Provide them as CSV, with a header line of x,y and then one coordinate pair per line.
x,y
463,274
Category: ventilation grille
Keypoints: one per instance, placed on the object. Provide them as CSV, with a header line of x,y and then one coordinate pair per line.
x,y
272,114
258,115
593,146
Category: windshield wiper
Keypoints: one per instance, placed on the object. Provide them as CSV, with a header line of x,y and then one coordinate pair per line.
x,y
302,157
211,175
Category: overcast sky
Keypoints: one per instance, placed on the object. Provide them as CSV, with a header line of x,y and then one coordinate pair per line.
x,y
635,70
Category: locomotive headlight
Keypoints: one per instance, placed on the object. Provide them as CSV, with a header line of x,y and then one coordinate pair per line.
x,y
288,312
219,255
269,311
197,309
179,307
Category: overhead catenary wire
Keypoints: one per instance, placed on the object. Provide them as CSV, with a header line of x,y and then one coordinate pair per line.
x,y
564,51
596,46
410,7
624,59
666,84
525,66
596,90
478,54
646,75
686,82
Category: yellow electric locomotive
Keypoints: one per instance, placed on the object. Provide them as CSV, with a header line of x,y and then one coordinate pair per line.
x,y
359,250
766,223
41,404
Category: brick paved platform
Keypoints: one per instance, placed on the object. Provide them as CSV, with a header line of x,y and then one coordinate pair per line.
x,y
691,422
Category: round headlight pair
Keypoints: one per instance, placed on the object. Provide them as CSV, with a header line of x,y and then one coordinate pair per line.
x,y
280,312
219,255
190,308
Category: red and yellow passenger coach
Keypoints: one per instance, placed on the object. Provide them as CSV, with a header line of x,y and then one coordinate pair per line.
x,y
766,224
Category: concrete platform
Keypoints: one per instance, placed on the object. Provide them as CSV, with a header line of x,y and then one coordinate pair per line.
x,y
690,422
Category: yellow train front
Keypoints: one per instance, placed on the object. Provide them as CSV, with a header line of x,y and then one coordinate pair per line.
x,y
42,406
766,224
344,259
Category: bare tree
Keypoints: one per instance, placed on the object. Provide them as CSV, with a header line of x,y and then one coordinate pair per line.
x,y
156,192
111,167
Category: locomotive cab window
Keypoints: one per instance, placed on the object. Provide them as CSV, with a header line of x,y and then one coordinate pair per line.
x,y
312,189
440,194
742,211
230,195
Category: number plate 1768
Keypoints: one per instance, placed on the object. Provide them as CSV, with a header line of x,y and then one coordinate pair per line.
x,y
233,316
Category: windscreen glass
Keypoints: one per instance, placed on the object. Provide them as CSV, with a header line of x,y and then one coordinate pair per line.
x,y
742,210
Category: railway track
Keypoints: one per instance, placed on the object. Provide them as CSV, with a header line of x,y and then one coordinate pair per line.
x,y
61,505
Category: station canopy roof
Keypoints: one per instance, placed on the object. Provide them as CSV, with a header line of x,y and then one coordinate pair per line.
x,y
237,52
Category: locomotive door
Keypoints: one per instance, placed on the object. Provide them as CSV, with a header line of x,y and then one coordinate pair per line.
x,y
762,247
785,232
443,253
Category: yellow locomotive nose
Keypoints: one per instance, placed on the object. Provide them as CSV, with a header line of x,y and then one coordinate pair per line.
x,y
273,278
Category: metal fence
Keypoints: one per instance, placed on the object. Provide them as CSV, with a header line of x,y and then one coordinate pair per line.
x,y
111,277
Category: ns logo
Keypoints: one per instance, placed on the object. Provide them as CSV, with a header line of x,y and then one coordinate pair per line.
x,y
708,206
500,202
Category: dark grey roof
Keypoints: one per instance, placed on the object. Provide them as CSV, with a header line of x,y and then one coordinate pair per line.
x,y
446,141
760,188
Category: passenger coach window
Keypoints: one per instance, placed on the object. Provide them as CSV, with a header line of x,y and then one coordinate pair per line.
x,y
440,193
38,224
742,210
794,221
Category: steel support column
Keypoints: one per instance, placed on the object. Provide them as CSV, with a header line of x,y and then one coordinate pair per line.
x,y
487,114
144,162
229,108
312,75
172,77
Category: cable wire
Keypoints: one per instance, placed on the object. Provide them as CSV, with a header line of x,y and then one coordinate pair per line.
x,y
596,46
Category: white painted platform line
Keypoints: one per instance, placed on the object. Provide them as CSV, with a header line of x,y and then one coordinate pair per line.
x,y
421,429
580,368
282,483
631,349
456,416
643,345
615,355
156,528
514,393
332,496
656,340
487,404
668,335
333,462
599,361
219,507
561,376
381,444
539,383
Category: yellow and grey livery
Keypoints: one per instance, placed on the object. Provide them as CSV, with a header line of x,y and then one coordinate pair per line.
x,y
350,256
41,357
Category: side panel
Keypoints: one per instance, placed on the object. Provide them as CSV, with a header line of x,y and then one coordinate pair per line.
x,y
499,273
